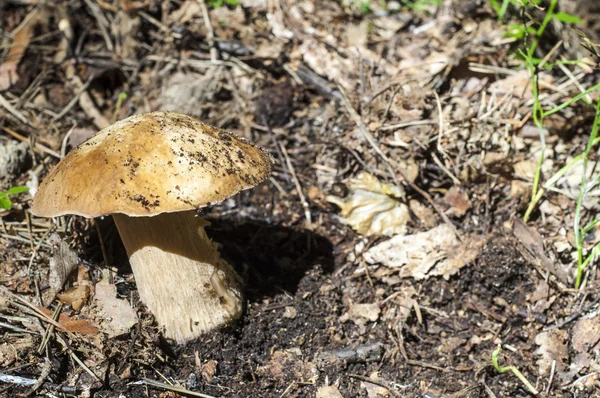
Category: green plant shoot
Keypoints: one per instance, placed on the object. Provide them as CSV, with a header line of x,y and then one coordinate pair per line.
x,y
512,369
5,202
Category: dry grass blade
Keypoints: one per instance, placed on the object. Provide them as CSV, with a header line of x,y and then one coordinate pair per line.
x,y
180,390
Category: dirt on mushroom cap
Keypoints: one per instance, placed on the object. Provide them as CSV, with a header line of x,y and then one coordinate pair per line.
x,y
150,164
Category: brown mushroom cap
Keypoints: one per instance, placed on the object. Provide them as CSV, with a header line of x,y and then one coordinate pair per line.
x,y
149,164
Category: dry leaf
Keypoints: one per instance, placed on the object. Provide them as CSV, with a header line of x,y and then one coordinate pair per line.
x,y
75,296
10,350
585,333
81,326
21,38
376,390
519,84
458,201
361,313
62,263
533,249
328,392
208,370
553,347
373,208
289,362
117,315
432,253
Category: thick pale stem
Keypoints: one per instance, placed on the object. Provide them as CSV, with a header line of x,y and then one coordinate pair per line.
x,y
180,276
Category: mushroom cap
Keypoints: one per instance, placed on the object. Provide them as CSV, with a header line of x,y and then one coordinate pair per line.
x,y
148,164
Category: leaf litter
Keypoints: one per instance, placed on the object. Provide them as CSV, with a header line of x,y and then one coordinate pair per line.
x,y
448,105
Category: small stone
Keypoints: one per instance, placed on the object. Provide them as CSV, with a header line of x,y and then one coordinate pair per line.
x,y
290,312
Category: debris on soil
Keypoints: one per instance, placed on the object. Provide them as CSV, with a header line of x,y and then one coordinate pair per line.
x,y
424,254
385,256
373,208
116,315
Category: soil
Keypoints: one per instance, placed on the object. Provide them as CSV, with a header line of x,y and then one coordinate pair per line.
x,y
314,83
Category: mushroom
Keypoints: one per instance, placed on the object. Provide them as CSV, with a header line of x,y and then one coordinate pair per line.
x,y
150,172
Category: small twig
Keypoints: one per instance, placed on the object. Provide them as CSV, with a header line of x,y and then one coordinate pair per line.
x,y
551,379
367,133
210,33
574,316
35,310
297,183
12,110
50,329
38,146
62,341
80,90
103,250
158,384
377,383
46,369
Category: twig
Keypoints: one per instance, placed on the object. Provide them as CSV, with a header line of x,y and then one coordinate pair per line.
x,y
158,384
365,131
552,370
102,23
297,183
22,381
12,110
103,250
46,369
80,90
62,341
377,383
50,329
35,310
210,33
38,146
573,317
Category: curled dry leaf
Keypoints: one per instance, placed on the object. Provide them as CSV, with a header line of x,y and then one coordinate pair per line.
x,y
373,208
75,296
63,261
431,253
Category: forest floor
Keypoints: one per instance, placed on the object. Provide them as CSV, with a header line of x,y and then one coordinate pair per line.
x,y
385,257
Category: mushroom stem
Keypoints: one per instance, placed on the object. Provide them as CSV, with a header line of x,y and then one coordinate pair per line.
x,y
180,275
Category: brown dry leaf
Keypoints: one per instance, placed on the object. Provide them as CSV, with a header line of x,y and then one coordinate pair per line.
x,y
329,64
533,249
81,326
361,313
63,261
76,296
553,347
21,38
431,253
116,314
458,201
519,84
585,333
189,10
373,208
376,390
208,370
10,351
329,392
289,362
